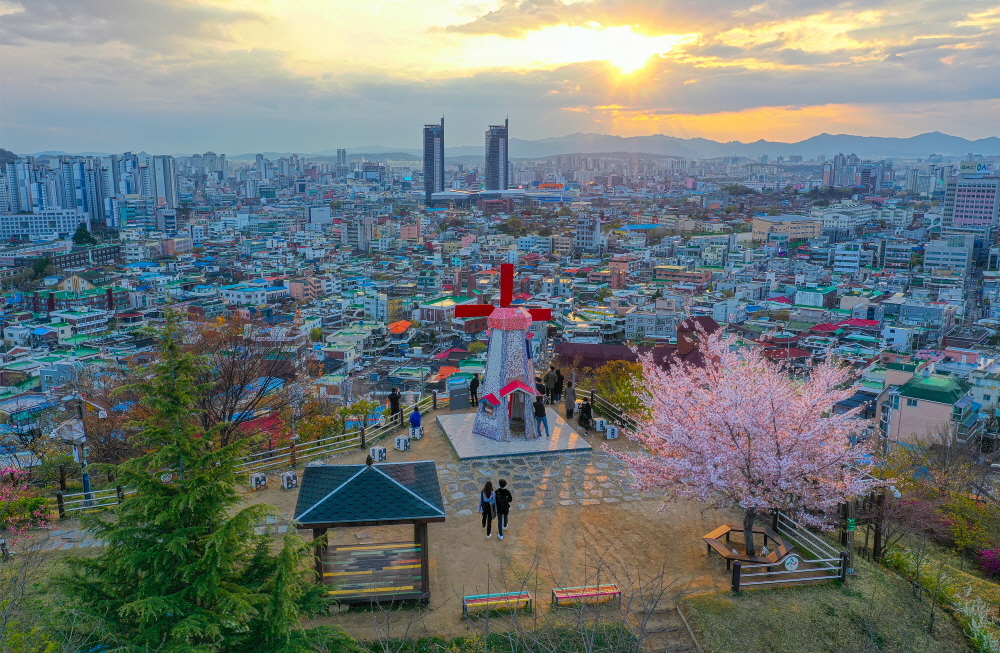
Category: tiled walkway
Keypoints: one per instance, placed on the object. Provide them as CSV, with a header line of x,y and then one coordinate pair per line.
x,y
541,481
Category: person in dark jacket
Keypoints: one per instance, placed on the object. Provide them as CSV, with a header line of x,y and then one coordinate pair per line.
x,y
488,506
394,411
558,389
504,499
474,389
586,418
539,386
550,382
540,417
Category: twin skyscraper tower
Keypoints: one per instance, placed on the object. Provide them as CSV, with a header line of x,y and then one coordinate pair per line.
x,y
497,172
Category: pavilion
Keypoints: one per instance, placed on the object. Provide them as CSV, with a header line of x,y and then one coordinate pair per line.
x,y
387,494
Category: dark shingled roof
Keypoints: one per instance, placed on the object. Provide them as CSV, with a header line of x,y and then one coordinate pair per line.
x,y
331,494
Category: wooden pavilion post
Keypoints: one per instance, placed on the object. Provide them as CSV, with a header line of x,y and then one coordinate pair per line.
x,y
319,548
420,538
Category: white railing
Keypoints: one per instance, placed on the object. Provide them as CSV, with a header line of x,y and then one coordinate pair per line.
x,y
286,457
94,500
826,564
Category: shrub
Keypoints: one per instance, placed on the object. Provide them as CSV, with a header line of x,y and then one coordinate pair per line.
x,y
989,562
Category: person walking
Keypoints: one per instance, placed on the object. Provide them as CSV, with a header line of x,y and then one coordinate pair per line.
x,y
504,499
550,382
570,398
474,389
558,389
540,418
394,412
487,506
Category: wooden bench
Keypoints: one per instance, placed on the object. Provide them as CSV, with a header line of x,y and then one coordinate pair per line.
x,y
712,542
586,592
504,601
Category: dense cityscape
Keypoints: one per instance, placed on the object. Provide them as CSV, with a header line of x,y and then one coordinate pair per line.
x,y
499,326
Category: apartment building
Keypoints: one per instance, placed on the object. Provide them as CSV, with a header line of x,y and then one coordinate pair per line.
x,y
786,228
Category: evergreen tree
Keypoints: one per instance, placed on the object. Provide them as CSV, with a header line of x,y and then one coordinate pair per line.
x,y
182,569
83,236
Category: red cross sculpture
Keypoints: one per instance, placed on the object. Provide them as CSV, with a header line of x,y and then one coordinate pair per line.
x,y
506,297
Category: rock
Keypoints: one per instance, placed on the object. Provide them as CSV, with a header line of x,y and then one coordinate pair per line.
x,y
464,513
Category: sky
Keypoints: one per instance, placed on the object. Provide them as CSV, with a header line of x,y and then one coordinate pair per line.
x,y
239,76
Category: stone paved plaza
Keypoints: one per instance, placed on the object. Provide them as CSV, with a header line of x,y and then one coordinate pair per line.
x,y
541,481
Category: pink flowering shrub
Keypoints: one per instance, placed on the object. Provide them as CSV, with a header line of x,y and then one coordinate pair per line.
x,y
20,508
989,562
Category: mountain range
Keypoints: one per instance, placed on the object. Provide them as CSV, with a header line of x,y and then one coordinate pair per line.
x,y
659,145
921,146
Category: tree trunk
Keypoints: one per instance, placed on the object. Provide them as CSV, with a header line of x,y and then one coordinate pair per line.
x,y
748,519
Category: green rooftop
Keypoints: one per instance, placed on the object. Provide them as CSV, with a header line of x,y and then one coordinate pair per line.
x,y
936,388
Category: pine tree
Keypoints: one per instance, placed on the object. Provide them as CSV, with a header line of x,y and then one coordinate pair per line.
x,y
182,569
83,236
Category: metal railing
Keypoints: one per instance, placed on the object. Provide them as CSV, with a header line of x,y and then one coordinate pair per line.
x,y
826,563
86,501
612,412
287,457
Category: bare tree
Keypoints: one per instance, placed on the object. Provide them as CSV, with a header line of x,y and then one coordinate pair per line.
x,y
248,373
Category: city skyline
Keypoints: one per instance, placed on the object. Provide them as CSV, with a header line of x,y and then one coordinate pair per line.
x,y
174,76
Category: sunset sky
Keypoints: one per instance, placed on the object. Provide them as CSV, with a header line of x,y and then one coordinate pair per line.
x,y
236,76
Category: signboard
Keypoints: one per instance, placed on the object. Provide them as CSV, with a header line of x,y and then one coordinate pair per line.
x,y
791,563
975,167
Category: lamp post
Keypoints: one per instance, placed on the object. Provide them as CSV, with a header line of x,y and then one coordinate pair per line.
x,y
80,444
83,451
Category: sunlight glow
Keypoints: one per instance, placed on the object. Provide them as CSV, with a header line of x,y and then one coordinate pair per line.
x,y
623,48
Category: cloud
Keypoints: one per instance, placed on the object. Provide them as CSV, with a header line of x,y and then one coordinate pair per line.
x,y
173,76
516,17
143,24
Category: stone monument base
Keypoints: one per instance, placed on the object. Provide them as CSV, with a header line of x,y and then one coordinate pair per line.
x,y
468,446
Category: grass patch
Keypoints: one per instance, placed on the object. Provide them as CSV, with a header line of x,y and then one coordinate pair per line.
x,y
875,612
611,638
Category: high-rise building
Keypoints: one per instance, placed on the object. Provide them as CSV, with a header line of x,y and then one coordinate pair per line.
x,y
164,182
497,175
434,160
971,201
342,156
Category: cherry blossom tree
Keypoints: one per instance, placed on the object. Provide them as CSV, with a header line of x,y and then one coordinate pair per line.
x,y
741,430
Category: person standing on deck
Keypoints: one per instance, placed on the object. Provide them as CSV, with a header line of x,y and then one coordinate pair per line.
x,y
394,412
570,398
540,418
550,383
558,389
474,389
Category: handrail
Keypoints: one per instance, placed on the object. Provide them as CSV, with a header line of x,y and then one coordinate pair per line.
x,y
284,456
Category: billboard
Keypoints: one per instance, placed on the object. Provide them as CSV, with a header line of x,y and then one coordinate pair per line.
x,y
975,167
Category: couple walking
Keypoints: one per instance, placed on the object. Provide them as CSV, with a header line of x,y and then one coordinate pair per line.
x,y
495,503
